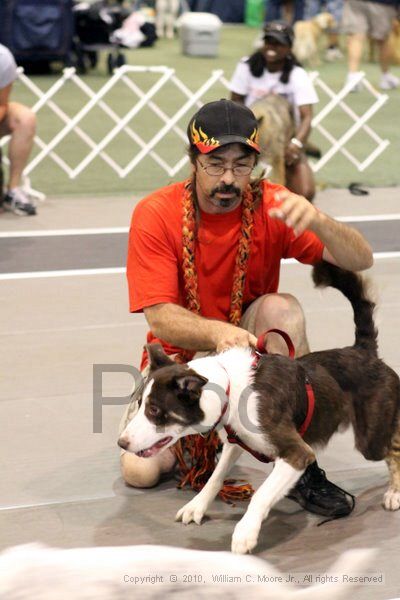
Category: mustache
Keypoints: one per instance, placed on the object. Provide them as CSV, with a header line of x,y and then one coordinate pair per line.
x,y
225,189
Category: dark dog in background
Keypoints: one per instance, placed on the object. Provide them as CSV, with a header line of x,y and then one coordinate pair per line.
x,y
276,128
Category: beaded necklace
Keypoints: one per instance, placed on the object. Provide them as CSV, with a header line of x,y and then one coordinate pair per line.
x,y
203,450
242,257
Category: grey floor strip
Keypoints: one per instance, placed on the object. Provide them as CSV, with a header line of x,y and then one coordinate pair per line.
x,y
108,250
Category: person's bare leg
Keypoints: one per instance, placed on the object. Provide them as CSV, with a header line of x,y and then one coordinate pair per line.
x,y
388,80
21,124
383,55
355,46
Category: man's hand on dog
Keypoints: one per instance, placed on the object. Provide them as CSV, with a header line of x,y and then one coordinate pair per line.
x,y
227,336
294,210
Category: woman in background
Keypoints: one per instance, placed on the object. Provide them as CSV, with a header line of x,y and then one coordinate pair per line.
x,y
273,69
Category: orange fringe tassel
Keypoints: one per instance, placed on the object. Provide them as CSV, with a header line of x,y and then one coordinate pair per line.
x,y
202,455
202,451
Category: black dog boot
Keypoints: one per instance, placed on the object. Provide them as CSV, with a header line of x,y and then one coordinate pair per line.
x,y
316,494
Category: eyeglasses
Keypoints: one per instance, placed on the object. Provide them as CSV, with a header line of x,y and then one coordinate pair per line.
x,y
218,170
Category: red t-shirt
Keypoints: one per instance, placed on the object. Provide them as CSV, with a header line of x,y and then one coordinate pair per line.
x,y
154,267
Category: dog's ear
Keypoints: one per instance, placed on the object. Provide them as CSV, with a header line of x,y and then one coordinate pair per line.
x,y
157,356
191,383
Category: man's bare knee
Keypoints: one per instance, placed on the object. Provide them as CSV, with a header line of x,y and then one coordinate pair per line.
x,y
277,309
282,311
140,472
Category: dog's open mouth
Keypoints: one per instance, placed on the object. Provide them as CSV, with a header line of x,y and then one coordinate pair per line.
x,y
155,448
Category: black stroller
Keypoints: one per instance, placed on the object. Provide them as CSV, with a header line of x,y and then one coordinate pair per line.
x,y
94,27
94,24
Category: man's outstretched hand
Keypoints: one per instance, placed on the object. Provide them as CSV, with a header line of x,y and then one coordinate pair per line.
x,y
294,210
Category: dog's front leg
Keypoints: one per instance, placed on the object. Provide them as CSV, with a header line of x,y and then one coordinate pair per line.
x,y
197,508
276,486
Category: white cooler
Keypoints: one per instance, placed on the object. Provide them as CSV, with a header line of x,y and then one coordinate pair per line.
x,y
199,33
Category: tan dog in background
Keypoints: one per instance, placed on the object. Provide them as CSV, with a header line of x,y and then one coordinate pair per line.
x,y
276,128
307,35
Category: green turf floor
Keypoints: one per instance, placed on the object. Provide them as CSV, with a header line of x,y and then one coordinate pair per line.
x,y
236,41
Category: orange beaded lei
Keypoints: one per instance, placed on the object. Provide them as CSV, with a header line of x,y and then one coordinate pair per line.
x,y
201,452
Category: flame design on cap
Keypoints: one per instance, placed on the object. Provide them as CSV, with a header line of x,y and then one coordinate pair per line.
x,y
201,139
254,140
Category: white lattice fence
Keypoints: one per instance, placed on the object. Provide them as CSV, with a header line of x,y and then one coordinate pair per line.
x,y
183,102
359,122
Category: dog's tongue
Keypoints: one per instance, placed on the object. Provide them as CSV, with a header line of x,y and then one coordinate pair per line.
x,y
154,448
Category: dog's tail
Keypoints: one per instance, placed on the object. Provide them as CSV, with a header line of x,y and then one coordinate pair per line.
x,y
354,287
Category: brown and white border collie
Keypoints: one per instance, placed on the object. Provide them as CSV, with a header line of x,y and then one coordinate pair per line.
x,y
265,405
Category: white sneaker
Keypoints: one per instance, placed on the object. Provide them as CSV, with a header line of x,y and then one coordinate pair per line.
x,y
389,81
333,54
18,202
351,77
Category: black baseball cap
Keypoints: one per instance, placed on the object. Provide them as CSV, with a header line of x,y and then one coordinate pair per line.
x,y
220,123
280,31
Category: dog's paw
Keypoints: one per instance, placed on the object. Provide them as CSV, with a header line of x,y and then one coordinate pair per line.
x,y
192,511
245,536
391,499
